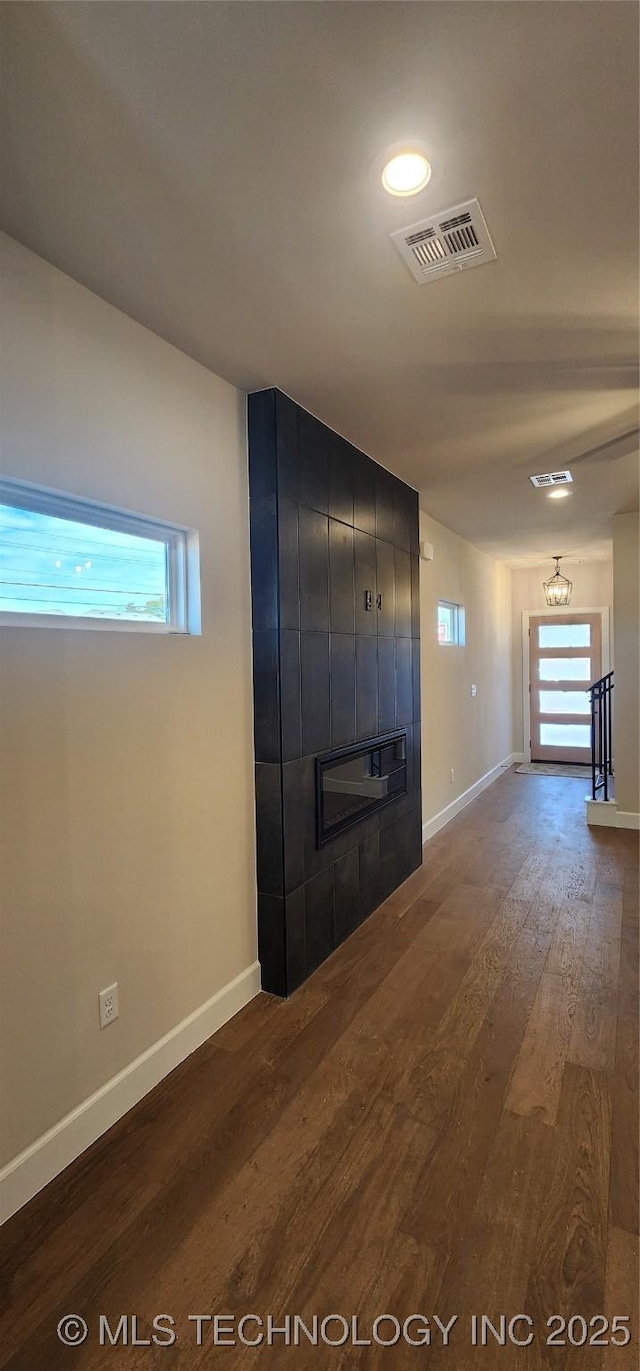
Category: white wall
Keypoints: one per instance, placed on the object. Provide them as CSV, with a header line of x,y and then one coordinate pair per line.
x,y
592,589
472,735
626,700
127,774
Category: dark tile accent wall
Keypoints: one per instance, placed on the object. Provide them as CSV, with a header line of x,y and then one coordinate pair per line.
x,y
331,533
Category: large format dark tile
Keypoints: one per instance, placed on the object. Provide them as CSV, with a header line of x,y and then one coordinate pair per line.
x,y
415,597
414,527
346,882
318,919
266,701
369,875
290,695
415,673
390,858
340,478
271,943
364,492
403,514
385,514
341,578
295,939
402,567
404,682
298,801
385,589
264,563
366,687
366,613
314,661
328,526
288,564
269,828
313,558
343,688
313,458
261,424
409,854
386,684
288,459
414,758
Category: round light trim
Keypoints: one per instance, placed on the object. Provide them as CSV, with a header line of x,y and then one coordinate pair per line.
x,y
557,494
406,174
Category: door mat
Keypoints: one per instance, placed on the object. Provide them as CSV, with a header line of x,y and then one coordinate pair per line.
x,y
554,769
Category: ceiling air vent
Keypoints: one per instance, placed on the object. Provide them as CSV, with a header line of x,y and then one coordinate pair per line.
x,y
552,478
451,241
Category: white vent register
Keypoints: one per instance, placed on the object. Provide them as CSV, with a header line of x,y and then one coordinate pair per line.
x,y
453,240
552,478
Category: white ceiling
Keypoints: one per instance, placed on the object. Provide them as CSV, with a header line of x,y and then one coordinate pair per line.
x,y
206,168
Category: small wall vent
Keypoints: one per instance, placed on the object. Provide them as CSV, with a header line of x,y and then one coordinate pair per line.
x,y
450,241
552,478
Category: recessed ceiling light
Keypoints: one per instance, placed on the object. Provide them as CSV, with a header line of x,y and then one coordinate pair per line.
x,y
558,494
406,174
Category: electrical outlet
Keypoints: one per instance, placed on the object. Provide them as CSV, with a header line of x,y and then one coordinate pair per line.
x,y
474,690
109,1005
452,774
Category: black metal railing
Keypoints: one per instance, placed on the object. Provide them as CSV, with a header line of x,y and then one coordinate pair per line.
x,y
601,735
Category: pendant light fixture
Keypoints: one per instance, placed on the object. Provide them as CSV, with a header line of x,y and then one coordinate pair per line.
x,y
557,590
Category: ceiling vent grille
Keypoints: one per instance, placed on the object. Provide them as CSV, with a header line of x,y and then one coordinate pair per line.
x,y
552,478
451,241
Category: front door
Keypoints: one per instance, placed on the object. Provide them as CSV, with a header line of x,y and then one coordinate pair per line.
x,y
565,656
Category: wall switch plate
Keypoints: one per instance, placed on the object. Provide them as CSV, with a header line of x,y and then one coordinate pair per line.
x,y
109,1005
452,774
474,690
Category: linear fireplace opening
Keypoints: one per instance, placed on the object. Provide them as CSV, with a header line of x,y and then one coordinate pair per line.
x,y
352,782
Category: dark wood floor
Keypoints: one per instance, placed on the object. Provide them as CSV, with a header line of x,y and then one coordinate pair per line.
x,y
443,1120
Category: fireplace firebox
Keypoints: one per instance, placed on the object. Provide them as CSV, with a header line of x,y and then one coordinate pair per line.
x,y
352,782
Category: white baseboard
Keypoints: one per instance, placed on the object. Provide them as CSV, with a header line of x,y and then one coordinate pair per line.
x,y
605,814
627,819
433,826
29,1172
601,813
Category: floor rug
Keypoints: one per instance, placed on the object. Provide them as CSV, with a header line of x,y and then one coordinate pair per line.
x,y
554,769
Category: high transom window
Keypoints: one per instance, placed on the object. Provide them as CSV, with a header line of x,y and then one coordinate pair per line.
x,y
450,623
71,563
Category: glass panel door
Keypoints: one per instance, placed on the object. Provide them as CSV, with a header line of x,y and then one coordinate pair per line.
x,y
566,669
564,658
565,735
564,702
564,635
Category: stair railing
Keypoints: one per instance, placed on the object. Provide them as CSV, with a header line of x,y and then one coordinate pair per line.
x,y
601,735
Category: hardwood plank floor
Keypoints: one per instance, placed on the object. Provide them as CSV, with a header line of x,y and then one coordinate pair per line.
x,y
442,1121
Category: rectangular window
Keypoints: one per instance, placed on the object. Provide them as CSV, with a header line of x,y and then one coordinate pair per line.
x,y
450,623
565,735
71,563
565,668
564,702
564,635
